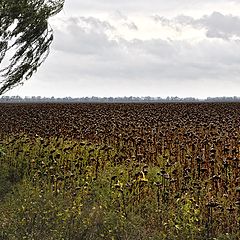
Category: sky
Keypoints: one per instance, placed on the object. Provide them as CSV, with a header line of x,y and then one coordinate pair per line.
x,y
104,48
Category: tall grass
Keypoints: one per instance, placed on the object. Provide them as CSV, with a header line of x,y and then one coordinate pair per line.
x,y
55,188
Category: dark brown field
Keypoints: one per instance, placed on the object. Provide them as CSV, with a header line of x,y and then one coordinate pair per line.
x,y
194,147
197,123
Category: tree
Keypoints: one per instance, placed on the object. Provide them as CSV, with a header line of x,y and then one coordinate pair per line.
x,y
25,36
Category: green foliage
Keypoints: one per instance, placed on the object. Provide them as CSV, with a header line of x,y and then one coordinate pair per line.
x,y
24,30
64,189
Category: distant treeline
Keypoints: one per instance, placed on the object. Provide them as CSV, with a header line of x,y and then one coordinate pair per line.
x,y
116,99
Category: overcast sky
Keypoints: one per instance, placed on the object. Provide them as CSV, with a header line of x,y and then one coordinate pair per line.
x,y
142,48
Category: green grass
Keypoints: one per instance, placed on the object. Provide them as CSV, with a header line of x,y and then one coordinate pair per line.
x,y
61,189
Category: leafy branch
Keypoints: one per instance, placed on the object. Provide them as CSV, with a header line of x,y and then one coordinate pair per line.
x,y
24,30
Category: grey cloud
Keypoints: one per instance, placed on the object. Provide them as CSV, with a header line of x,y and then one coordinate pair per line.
x,y
97,56
220,26
217,25
184,20
160,19
154,47
97,24
90,23
165,22
118,15
85,36
131,26
124,20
